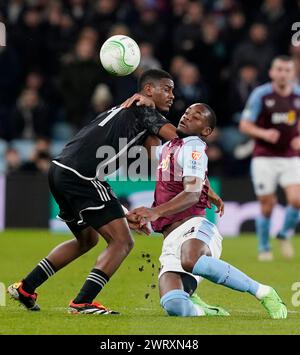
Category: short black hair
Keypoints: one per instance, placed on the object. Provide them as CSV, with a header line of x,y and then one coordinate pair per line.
x,y
282,57
211,116
152,74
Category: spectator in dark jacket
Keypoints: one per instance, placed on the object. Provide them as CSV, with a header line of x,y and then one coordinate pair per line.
x,y
30,118
80,75
256,49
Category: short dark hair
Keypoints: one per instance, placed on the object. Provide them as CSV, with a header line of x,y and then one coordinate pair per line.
x,y
211,117
150,75
283,57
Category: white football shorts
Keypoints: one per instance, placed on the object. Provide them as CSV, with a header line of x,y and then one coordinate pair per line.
x,y
196,227
268,172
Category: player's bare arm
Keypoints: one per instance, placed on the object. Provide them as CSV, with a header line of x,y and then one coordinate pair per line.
x,y
139,100
270,135
216,200
168,131
184,200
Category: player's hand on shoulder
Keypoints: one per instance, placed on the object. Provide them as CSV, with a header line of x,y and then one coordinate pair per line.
x,y
271,135
295,143
140,100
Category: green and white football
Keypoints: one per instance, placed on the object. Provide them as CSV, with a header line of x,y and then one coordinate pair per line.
x,y
120,55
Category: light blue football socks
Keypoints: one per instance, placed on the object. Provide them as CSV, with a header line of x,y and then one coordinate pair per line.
x,y
290,222
222,273
178,303
263,233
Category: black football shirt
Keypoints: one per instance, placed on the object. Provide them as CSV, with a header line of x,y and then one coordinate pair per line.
x,y
114,131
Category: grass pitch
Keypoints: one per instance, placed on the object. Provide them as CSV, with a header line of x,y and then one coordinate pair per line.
x,y
133,291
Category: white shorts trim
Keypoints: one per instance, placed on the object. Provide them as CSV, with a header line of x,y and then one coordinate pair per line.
x,y
73,170
196,227
81,221
268,172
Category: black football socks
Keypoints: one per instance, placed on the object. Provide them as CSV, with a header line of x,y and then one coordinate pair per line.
x,y
38,275
94,283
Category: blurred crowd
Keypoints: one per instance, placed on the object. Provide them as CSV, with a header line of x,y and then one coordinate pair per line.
x,y
52,83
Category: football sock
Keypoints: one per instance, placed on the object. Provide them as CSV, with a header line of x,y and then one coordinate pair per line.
x,y
220,272
178,303
94,283
262,231
290,222
39,275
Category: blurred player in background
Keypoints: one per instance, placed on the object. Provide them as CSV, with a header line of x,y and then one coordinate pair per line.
x,y
87,203
271,117
192,245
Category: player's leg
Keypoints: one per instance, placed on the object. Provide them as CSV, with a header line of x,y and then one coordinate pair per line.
x,y
290,182
264,175
262,224
196,259
59,257
70,250
85,236
291,219
177,286
119,244
174,299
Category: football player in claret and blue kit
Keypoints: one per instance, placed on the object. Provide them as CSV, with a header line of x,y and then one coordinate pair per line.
x,y
192,245
271,117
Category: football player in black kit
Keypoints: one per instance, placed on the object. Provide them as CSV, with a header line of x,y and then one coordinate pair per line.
x,y
87,203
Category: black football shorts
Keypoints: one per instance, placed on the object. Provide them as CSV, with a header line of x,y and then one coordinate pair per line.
x,y
83,202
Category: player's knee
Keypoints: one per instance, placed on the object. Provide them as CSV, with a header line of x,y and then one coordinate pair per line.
x,y
267,206
177,303
130,244
188,260
125,244
88,243
187,264
92,241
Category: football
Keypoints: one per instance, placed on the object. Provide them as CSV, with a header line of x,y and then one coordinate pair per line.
x,y
120,55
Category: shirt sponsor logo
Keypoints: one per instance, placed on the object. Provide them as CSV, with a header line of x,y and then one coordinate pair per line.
x,y
196,155
288,118
193,164
270,102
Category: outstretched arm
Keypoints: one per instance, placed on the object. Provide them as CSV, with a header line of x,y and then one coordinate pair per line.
x,y
185,199
167,131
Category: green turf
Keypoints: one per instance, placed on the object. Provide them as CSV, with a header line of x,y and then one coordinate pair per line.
x,y
21,250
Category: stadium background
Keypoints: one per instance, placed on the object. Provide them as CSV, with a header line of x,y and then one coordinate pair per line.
x,y
52,83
